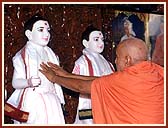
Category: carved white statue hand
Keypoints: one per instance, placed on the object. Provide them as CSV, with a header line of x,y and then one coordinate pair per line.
x,y
34,81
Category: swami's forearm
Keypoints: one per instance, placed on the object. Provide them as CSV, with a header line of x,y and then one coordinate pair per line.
x,y
82,77
75,84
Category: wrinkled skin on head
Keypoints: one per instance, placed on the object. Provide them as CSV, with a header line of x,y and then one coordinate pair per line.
x,y
130,52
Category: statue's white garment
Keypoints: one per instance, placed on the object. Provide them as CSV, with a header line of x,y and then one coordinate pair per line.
x,y
100,67
44,102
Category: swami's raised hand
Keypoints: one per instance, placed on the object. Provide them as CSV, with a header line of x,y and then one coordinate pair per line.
x,y
47,71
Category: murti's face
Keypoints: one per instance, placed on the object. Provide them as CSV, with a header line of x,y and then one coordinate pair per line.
x,y
40,33
96,41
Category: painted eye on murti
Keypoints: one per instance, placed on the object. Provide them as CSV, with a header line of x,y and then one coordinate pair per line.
x,y
40,30
96,39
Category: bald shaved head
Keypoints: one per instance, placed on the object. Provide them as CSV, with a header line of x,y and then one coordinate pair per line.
x,y
130,52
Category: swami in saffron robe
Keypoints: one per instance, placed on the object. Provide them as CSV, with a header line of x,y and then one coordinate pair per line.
x,y
133,96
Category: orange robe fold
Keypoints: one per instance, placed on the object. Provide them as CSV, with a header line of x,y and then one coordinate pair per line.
x,y
133,96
